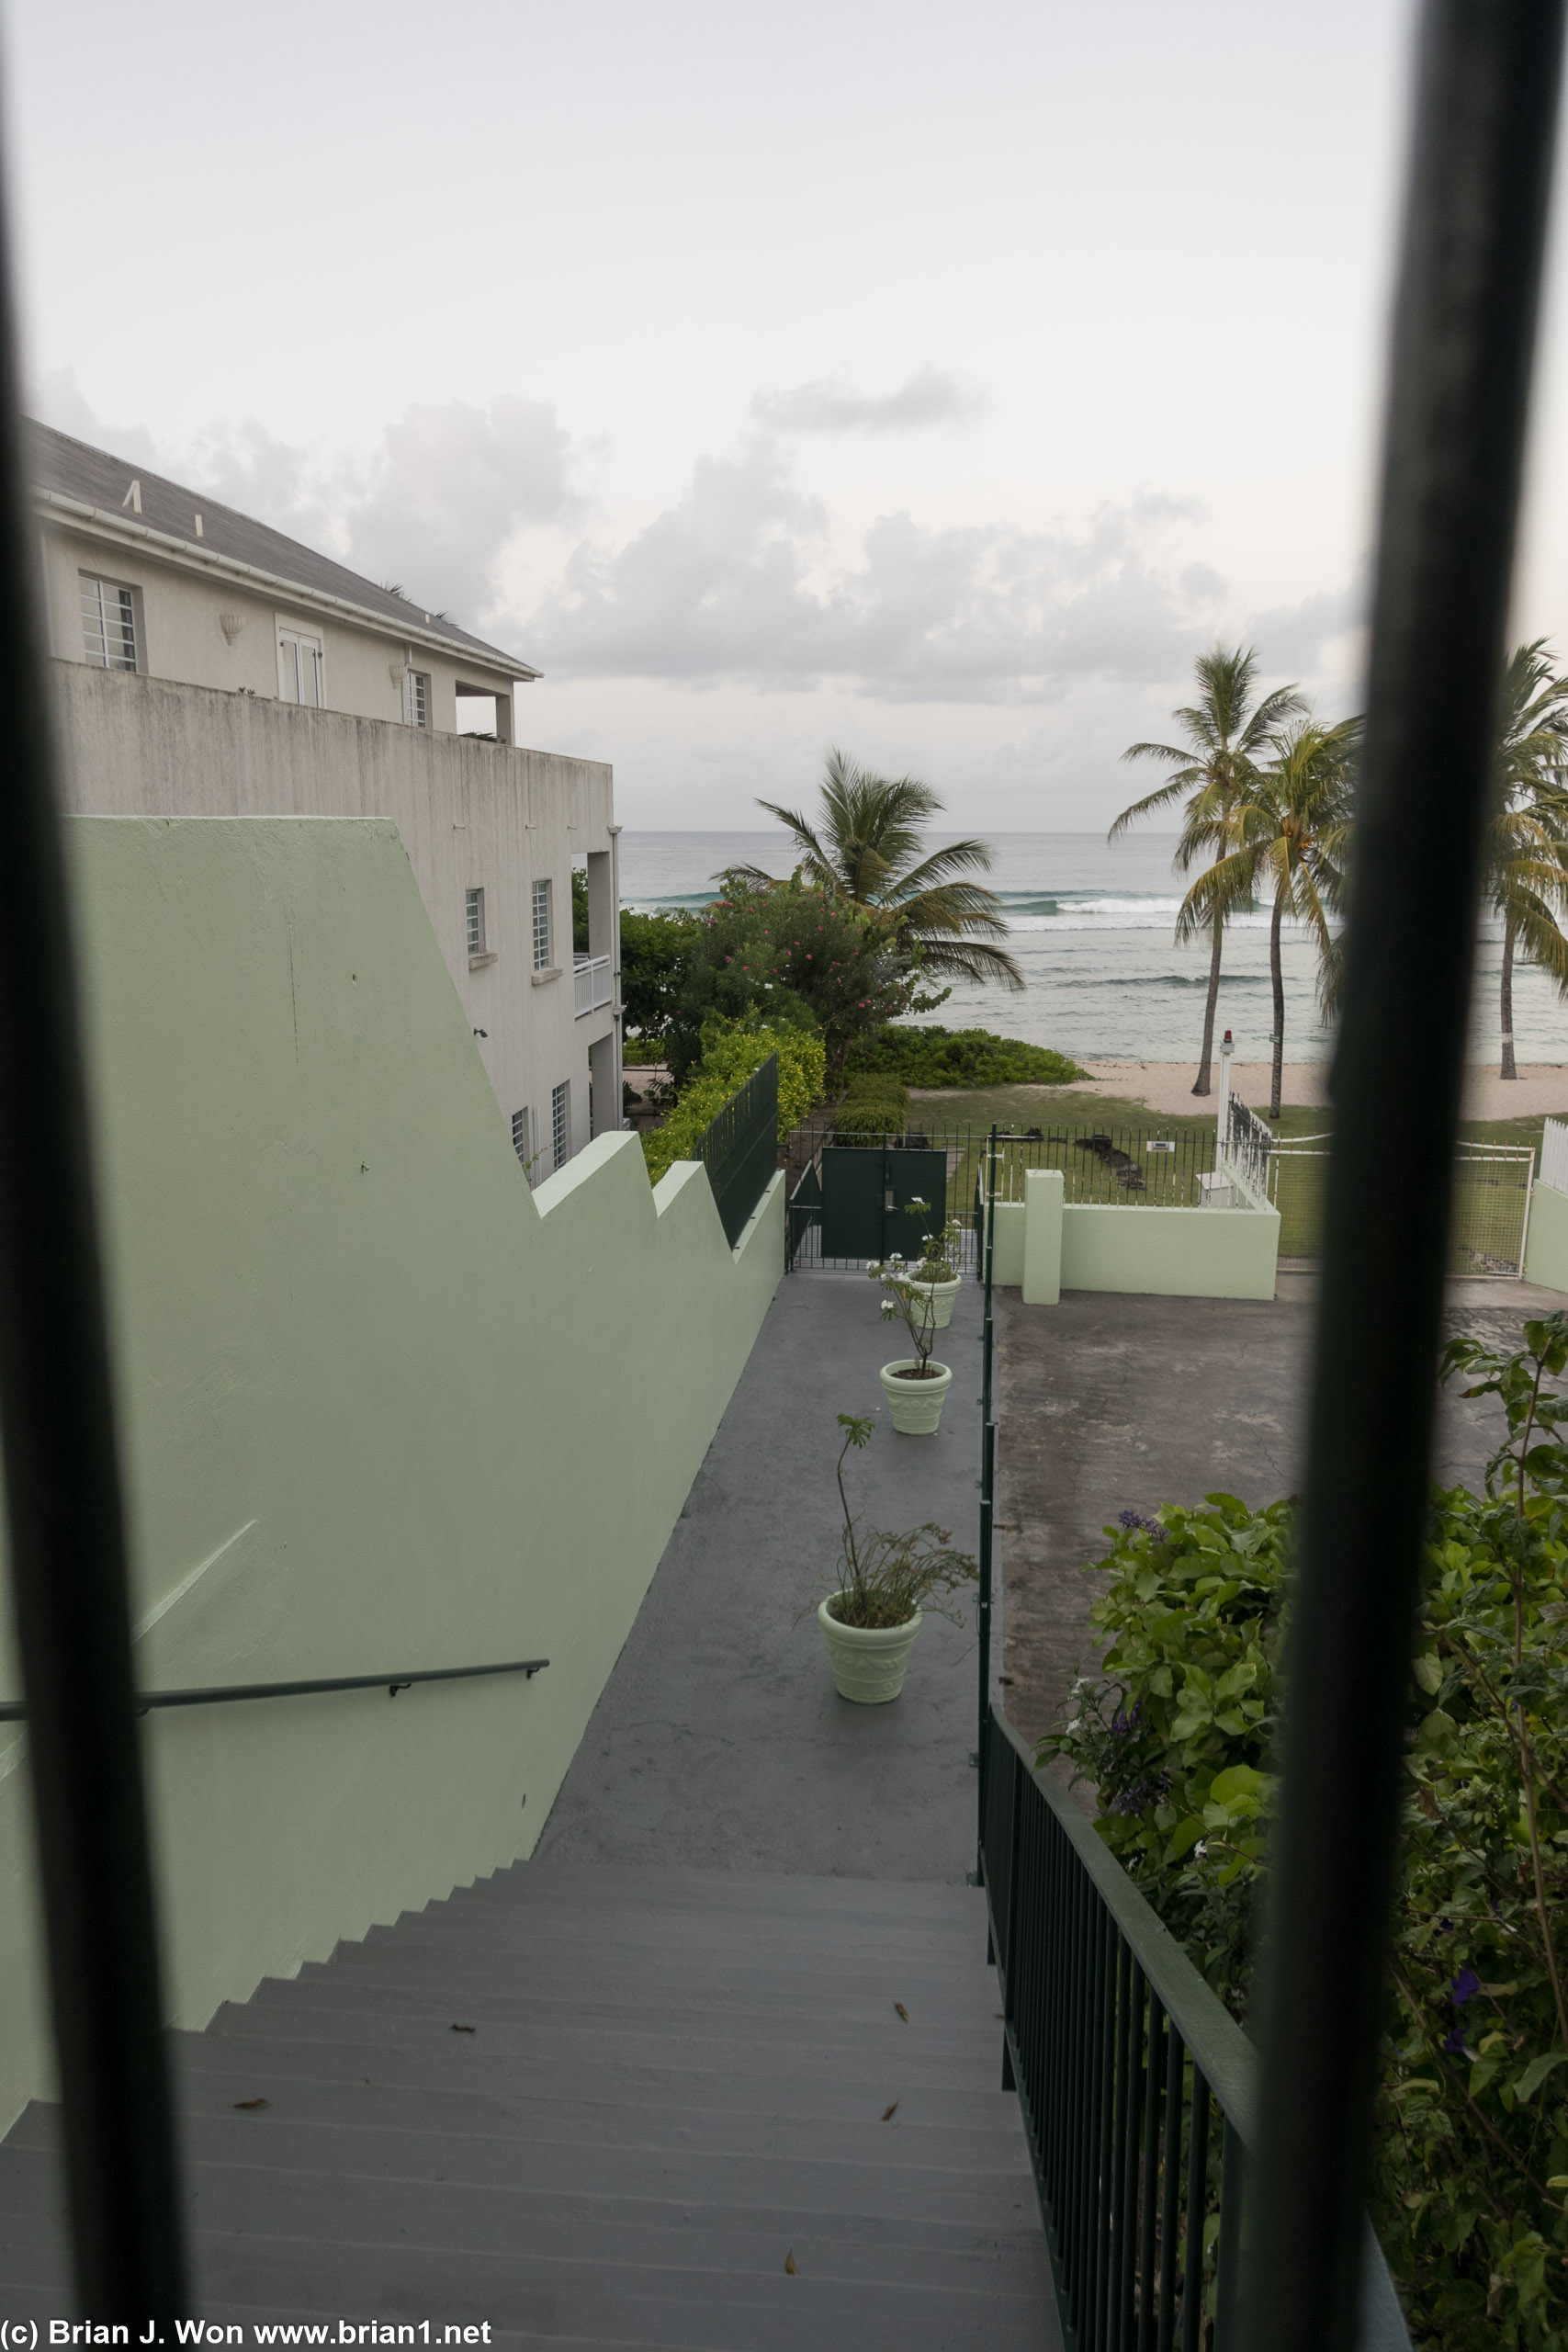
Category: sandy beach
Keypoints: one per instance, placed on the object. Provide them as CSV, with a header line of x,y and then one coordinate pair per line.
x,y
1166,1087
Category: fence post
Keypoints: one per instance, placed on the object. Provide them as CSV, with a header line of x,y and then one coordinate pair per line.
x,y
987,1483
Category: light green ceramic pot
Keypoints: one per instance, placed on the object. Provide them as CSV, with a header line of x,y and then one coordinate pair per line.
x,y
941,1295
916,1405
868,1660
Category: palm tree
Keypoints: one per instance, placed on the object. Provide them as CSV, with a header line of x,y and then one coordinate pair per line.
x,y
1226,731
867,845
1291,830
1526,840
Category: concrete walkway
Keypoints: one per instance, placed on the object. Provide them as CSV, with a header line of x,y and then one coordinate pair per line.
x,y
1112,1404
720,1742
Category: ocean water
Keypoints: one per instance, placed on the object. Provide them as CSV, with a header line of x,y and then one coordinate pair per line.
x,y
1091,925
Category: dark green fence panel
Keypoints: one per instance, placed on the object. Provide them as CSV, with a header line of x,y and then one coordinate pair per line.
x,y
866,1189
739,1148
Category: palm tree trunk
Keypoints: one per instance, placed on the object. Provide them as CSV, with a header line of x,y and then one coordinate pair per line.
x,y
1203,1085
1508,1069
1277,975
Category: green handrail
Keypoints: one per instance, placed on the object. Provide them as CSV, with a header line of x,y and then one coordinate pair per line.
x,y
15,1710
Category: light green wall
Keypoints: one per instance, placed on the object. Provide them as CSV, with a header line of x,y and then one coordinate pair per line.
x,y
1047,1245
1546,1248
383,1407
1044,1202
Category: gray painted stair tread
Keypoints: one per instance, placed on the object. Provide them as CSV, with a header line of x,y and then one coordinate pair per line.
x,y
460,2075
677,2077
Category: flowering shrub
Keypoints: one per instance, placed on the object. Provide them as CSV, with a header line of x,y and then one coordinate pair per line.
x,y
1470,2185
790,952
732,1051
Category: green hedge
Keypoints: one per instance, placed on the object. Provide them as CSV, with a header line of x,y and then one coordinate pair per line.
x,y
936,1057
731,1054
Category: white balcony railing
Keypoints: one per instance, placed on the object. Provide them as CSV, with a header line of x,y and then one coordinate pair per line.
x,y
594,983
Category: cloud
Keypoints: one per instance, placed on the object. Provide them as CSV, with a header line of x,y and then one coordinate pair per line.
x,y
448,490
734,582
57,399
929,396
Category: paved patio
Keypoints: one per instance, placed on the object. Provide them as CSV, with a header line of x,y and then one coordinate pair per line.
x,y
1111,1403
720,1742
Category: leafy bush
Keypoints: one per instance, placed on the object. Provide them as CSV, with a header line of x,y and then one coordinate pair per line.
x,y
938,1056
1176,1730
656,956
789,952
641,1053
732,1052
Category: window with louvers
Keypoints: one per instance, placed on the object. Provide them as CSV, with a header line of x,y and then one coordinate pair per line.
x,y
108,624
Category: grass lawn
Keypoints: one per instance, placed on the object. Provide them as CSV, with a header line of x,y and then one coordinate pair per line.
x,y
1489,1200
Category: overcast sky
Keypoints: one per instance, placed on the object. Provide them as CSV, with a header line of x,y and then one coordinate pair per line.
x,y
933,382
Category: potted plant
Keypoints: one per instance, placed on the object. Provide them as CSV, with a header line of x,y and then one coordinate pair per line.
x,y
885,1583
914,1386
937,1272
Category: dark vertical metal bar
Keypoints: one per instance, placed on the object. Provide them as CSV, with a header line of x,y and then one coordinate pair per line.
x,y
1154,2079
1137,2012
1105,2166
988,1490
1099,2088
1228,2253
62,1495
1126,1971
1464,338
1197,2208
1171,2187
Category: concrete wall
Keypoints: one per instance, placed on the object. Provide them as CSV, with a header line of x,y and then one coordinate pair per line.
x,y
472,816
181,639
1048,1245
383,1407
1546,1246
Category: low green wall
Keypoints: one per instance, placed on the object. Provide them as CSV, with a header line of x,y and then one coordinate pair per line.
x,y
1047,1245
1546,1248
383,1407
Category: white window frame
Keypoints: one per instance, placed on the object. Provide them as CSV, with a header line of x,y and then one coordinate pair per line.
x,y
544,926
560,1123
416,698
302,658
94,591
474,920
523,1135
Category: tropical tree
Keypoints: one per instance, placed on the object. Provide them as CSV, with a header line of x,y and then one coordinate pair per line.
x,y
1526,840
1224,733
1290,832
867,844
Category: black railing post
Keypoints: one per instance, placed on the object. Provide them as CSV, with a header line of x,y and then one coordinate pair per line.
x,y
1464,327
66,1522
987,1503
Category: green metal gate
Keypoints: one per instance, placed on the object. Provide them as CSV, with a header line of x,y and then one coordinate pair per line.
x,y
866,1197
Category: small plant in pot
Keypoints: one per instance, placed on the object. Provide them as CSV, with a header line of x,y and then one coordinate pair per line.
x,y
937,1270
885,1585
914,1385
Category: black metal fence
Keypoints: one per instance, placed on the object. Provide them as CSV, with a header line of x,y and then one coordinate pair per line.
x,y
739,1148
1135,2082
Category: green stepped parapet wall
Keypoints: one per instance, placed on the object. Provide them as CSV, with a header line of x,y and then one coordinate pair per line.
x,y
383,1407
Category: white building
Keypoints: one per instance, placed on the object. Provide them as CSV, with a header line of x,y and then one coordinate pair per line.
x,y
210,666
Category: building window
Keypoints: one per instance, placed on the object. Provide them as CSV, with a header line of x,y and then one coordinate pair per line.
x,y
300,675
541,926
474,904
522,1136
108,624
560,1122
416,697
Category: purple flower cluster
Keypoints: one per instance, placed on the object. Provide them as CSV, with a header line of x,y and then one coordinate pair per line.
x,y
1139,1796
1130,1520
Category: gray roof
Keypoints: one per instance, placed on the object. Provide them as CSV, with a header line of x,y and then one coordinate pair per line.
x,y
73,469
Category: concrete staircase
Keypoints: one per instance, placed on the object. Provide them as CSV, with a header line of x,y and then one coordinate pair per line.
x,y
603,2105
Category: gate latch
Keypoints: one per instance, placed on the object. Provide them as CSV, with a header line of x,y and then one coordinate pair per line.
x,y
888,1200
